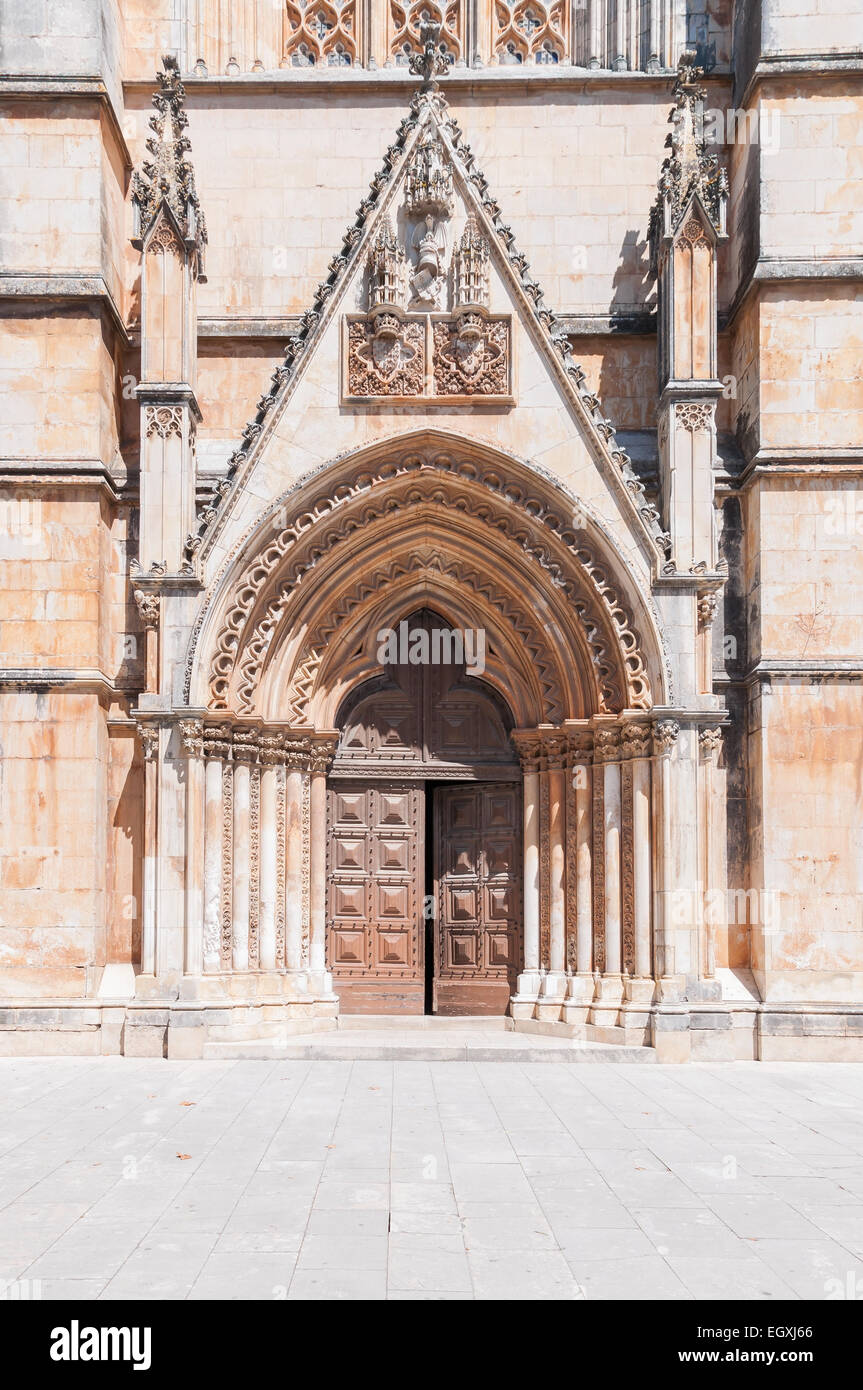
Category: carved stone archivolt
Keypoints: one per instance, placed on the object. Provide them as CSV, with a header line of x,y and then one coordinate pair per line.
x,y
540,532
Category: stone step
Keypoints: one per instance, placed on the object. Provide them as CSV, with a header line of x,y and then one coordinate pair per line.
x,y
391,1045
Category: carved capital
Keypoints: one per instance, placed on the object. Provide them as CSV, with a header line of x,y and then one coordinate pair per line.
x,y
272,749
707,604
606,745
192,737
528,746
217,741
149,736
665,735
709,741
149,607
322,754
554,750
635,740
246,745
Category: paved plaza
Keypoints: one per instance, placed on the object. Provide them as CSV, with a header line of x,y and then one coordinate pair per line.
x,y
149,1179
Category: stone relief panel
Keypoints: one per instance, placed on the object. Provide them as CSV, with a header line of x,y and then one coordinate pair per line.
x,y
386,356
472,356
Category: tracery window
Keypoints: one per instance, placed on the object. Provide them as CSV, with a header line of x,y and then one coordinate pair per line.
x,y
321,32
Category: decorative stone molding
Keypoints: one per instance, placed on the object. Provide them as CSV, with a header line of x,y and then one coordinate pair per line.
x,y
149,607
318,640
167,180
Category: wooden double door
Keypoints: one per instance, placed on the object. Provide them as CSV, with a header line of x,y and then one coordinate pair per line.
x,y
424,895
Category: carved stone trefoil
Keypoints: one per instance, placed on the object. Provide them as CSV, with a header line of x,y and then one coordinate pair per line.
x,y
472,356
470,266
385,356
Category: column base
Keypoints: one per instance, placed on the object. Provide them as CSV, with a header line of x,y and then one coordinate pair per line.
x,y
549,1005
579,996
607,1000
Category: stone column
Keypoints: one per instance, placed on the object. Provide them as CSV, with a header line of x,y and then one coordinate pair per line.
x,y
271,756
245,750
609,986
527,987
709,743
579,895
216,747
149,736
319,761
638,965
149,605
191,733
296,833
665,734
554,983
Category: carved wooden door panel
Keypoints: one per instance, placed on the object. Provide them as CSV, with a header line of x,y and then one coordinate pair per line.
x,y
478,896
375,946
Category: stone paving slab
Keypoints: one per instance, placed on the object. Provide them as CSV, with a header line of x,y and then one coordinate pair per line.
x,y
371,1179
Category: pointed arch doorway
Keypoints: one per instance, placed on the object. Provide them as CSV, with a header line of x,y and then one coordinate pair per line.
x,y
424,815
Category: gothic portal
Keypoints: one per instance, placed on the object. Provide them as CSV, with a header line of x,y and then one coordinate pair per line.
x,y
385,639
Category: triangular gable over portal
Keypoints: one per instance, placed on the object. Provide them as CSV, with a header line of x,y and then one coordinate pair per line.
x,y
369,241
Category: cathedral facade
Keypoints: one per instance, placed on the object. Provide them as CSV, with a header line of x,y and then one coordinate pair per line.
x,y
432,520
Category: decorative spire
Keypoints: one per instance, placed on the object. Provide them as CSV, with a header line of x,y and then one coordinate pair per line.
x,y
432,62
168,179
470,268
689,169
386,266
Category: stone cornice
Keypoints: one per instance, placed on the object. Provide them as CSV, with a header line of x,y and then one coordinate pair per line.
x,y
789,270
542,77
65,287
79,87
814,669
38,680
811,66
